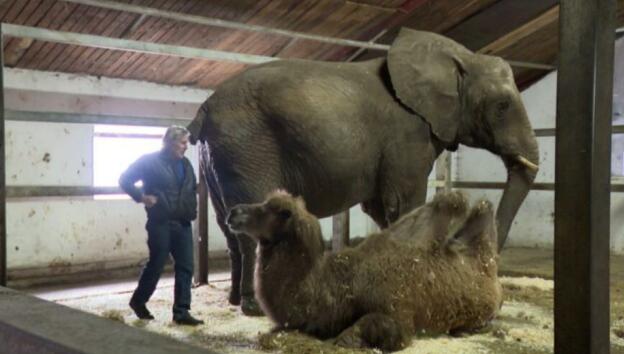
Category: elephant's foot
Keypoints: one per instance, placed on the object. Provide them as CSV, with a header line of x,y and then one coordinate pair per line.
x,y
234,297
250,306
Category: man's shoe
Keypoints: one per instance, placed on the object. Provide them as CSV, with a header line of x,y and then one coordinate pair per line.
x,y
250,307
186,319
141,311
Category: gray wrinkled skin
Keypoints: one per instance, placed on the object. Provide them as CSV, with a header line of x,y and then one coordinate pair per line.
x,y
339,134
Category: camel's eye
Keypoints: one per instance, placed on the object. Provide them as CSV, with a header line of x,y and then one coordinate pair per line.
x,y
284,214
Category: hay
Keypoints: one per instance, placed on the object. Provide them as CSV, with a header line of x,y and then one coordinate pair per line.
x,y
524,325
114,315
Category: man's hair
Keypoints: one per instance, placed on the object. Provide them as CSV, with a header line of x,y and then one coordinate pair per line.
x,y
174,133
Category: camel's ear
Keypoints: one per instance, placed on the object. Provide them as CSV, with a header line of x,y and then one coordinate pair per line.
x,y
425,70
300,202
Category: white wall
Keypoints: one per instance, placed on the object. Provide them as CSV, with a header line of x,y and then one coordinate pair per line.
x,y
62,232
56,233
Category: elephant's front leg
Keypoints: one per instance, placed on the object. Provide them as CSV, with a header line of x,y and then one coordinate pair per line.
x,y
374,330
374,208
249,305
404,178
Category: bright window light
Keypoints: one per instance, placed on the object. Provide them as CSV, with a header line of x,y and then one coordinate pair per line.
x,y
116,147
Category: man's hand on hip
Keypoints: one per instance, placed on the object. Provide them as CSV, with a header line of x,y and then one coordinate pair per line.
x,y
149,200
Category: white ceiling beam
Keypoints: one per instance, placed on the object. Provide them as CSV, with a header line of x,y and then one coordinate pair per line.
x,y
130,45
200,20
160,49
80,84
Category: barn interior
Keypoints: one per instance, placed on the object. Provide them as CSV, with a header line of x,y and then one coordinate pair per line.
x,y
91,85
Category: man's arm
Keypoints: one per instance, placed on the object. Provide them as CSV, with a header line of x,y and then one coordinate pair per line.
x,y
132,175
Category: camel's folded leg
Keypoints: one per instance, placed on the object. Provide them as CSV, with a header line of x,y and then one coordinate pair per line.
x,y
374,330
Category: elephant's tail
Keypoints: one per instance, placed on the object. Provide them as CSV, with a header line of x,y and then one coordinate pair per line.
x,y
197,125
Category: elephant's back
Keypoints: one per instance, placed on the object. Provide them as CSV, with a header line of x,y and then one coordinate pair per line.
x,y
321,127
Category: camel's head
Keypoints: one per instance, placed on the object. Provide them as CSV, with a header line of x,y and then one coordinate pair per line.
x,y
281,217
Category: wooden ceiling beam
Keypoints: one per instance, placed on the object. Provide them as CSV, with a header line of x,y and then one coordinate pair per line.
x,y
521,32
497,20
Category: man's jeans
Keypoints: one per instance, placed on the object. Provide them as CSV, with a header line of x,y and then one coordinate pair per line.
x,y
164,238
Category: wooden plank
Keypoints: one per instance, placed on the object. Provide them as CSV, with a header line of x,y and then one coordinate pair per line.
x,y
547,18
14,48
58,51
497,20
147,66
100,23
432,15
171,33
54,19
582,176
111,25
82,24
104,58
14,11
142,33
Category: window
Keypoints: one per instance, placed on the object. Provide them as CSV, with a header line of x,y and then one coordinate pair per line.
x,y
116,147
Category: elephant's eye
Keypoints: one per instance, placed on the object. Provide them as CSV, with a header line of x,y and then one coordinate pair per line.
x,y
501,108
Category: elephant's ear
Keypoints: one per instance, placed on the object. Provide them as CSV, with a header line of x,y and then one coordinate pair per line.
x,y
425,70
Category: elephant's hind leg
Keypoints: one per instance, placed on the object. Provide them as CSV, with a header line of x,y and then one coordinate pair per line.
x,y
246,182
232,241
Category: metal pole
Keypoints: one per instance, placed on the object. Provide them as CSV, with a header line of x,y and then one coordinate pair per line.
x,y
582,176
3,220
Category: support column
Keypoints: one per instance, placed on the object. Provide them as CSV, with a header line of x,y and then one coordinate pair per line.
x,y
3,221
582,176
340,228
443,171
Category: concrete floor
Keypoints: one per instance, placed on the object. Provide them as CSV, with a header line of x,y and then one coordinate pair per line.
x,y
525,324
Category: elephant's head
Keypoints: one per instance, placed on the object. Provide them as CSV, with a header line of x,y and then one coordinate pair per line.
x,y
470,99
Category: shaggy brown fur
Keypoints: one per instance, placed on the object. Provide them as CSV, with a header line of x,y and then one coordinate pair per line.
x,y
433,270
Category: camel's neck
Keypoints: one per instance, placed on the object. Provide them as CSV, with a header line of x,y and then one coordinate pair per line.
x,y
281,276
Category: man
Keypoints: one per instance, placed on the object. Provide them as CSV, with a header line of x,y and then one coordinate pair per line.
x,y
168,193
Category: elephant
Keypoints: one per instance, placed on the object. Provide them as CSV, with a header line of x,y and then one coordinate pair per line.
x,y
343,133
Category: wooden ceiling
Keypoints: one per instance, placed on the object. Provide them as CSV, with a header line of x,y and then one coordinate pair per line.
x,y
519,30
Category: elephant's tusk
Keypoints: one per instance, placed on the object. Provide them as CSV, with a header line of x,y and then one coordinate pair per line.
x,y
528,164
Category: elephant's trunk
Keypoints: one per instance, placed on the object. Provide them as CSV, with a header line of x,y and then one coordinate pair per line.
x,y
521,171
